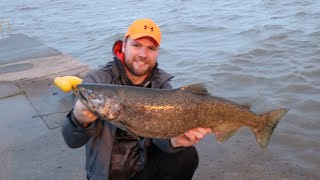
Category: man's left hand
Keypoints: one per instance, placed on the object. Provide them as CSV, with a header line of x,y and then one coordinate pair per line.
x,y
190,137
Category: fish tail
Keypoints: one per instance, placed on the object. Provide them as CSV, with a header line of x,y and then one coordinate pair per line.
x,y
263,133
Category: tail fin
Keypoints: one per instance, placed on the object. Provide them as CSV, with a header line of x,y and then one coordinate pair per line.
x,y
263,134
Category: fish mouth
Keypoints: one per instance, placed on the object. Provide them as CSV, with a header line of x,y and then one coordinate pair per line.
x,y
80,95
83,98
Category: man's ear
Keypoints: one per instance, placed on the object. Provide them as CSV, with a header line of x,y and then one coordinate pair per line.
x,y
123,46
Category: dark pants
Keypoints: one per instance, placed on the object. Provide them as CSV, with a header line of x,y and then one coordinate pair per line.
x,y
165,166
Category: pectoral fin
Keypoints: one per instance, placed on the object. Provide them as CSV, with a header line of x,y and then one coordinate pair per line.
x,y
123,127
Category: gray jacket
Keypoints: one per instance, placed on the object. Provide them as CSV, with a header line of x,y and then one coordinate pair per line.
x,y
99,136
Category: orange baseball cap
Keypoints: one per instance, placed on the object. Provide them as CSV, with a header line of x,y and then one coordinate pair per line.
x,y
144,27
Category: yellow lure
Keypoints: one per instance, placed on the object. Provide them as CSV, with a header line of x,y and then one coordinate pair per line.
x,y
67,83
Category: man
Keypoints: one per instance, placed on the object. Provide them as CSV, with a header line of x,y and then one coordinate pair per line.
x,y
114,154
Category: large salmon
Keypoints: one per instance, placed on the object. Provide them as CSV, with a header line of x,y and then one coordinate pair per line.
x,y
158,113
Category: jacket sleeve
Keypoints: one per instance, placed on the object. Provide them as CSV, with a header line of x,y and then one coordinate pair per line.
x,y
165,145
73,133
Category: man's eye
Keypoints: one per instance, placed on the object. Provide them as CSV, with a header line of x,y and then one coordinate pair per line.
x,y
153,48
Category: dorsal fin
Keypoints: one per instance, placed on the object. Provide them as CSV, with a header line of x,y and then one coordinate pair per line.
x,y
198,88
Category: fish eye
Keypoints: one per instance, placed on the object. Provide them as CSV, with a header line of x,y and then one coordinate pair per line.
x,y
92,96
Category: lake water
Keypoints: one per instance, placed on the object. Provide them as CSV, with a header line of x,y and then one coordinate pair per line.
x,y
263,52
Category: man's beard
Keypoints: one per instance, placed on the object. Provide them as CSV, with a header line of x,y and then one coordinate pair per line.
x,y
137,72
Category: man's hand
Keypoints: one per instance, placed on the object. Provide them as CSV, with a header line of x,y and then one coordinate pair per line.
x,y
190,137
82,114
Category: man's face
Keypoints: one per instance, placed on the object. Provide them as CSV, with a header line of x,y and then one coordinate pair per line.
x,y
140,56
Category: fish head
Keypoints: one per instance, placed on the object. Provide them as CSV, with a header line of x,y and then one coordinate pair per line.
x,y
100,100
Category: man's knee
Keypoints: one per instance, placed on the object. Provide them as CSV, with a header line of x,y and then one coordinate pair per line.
x,y
188,158
161,165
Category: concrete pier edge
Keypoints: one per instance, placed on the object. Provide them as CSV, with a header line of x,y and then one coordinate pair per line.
x,y
33,110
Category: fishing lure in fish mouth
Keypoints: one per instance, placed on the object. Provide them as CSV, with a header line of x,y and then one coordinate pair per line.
x,y
70,83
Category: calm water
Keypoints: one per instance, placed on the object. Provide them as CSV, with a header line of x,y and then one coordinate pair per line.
x,y
263,52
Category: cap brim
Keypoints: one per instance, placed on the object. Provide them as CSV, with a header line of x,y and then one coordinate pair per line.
x,y
140,35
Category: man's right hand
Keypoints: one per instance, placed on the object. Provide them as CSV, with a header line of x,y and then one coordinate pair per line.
x,y
82,114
